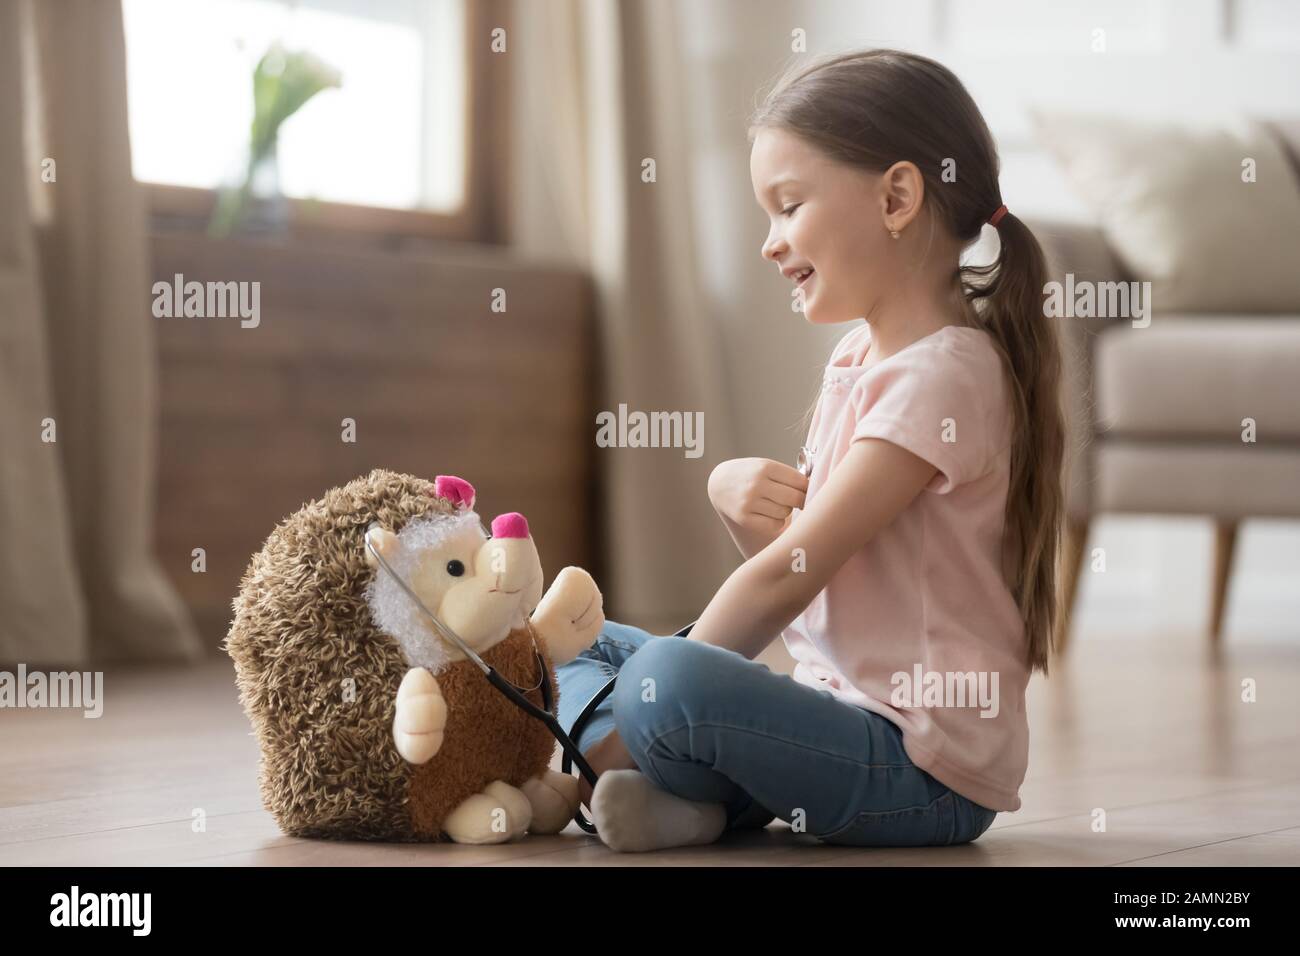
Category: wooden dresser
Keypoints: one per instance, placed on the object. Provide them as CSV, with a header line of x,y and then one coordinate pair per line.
x,y
406,345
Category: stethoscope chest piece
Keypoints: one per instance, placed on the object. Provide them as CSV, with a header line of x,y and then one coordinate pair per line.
x,y
804,463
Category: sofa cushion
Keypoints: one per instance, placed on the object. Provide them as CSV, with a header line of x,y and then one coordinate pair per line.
x,y
1173,204
1079,248
1241,481
1199,378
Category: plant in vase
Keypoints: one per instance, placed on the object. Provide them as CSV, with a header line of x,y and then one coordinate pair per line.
x,y
282,83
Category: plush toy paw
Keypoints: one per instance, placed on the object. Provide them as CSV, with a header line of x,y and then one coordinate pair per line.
x,y
498,814
570,614
420,718
554,797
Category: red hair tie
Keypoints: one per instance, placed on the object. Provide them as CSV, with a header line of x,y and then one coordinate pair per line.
x,y
997,215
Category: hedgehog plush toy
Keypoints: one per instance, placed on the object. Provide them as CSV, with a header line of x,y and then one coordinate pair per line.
x,y
371,725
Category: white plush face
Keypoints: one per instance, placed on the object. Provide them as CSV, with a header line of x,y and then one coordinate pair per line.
x,y
480,587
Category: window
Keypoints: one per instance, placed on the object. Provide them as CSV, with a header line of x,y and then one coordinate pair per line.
x,y
396,134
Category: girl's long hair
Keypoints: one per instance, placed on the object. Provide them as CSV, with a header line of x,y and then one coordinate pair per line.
x,y
874,108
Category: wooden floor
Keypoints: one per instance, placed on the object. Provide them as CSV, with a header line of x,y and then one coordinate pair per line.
x,y
1152,732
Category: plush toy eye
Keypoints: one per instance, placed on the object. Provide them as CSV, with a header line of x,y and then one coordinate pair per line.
x,y
455,568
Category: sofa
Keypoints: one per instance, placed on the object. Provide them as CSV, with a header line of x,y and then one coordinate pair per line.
x,y
1155,415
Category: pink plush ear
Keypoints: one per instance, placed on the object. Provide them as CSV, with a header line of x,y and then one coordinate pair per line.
x,y
456,490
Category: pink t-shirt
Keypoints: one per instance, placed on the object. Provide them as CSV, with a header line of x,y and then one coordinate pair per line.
x,y
925,597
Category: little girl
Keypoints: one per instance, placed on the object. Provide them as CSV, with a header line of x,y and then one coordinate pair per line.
x,y
911,574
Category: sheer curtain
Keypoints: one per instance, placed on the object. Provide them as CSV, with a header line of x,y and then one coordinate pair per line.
x,y
78,406
599,89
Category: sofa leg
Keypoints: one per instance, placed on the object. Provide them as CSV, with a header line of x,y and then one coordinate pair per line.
x,y
1225,543
1074,541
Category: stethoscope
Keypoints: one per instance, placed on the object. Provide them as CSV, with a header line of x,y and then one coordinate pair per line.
x,y
804,463
517,695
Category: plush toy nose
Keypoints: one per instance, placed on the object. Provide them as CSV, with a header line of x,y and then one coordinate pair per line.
x,y
511,525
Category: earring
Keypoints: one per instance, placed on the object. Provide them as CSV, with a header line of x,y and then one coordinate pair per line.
x,y
894,233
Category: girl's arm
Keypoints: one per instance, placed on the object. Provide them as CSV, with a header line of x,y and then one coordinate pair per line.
x,y
750,541
872,484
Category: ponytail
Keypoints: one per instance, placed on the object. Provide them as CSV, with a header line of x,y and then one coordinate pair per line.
x,y
1007,299
870,109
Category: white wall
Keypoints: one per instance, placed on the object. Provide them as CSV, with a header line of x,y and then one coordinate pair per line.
x,y
1185,59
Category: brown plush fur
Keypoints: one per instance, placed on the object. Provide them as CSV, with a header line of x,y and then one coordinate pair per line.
x,y
302,629
488,738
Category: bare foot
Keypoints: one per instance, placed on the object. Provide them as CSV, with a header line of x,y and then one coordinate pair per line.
x,y
609,753
554,798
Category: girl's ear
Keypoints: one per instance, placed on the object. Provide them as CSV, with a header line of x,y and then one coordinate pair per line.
x,y
902,189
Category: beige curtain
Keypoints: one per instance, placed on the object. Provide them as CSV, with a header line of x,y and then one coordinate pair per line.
x,y
599,89
78,581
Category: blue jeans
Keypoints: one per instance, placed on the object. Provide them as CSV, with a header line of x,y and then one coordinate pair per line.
x,y
711,725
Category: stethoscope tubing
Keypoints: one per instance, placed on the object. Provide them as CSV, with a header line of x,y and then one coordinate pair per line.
x,y
579,722
546,714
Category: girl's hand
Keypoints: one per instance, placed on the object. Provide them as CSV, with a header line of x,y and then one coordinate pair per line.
x,y
756,495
